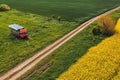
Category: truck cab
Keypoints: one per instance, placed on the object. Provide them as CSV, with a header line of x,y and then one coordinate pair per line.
x,y
18,31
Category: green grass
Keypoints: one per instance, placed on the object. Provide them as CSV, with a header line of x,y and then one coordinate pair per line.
x,y
71,51
41,33
72,10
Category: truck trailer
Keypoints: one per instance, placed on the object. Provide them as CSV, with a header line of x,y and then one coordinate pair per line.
x,y
18,31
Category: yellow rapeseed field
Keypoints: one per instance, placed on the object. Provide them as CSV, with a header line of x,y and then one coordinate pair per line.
x,y
117,27
101,62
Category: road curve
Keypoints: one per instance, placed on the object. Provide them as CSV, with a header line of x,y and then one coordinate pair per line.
x,y
23,67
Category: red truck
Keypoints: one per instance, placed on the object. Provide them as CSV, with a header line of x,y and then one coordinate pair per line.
x,y
18,31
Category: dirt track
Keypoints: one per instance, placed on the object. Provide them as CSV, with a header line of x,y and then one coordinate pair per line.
x,y
23,67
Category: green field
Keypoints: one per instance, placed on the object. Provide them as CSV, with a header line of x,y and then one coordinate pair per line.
x,y
72,10
41,33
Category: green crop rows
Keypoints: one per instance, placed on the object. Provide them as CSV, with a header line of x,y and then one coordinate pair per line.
x,y
72,10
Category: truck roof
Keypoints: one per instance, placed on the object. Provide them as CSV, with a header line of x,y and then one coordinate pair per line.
x,y
15,27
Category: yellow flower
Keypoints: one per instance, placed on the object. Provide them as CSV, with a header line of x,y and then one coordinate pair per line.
x,y
101,62
117,27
